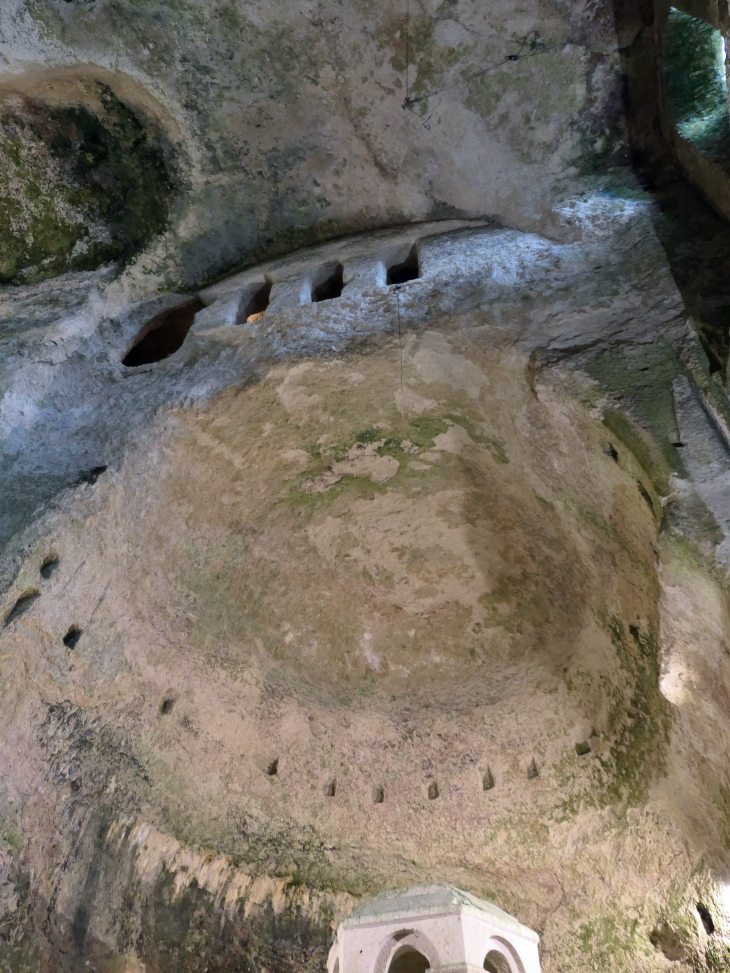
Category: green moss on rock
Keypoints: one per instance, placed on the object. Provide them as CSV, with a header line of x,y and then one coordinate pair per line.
x,y
80,188
186,933
638,719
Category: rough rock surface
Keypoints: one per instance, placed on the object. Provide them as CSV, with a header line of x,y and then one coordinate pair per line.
x,y
283,124
415,583
329,564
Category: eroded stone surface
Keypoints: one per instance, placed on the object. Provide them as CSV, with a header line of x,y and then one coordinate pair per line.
x,y
478,588
286,126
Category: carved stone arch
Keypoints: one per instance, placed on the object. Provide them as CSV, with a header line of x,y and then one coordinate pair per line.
x,y
399,941
505,952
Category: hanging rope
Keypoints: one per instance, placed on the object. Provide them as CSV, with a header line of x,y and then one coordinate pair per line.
x,y
400,345
408,17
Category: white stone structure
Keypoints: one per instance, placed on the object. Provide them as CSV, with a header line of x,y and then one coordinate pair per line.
x,y
432,927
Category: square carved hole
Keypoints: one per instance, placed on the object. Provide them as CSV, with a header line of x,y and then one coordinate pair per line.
x,y
253,307
409,269
329,288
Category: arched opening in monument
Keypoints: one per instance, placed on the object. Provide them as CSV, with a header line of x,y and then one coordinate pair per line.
x,y
331,287
408,960
254,307
163,335
330,788
696,81
496,962
433,791
502,957
409,269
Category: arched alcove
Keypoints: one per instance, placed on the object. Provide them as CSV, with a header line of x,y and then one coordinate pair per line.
x,y
406,951
87,167
502,957
496,962
407,959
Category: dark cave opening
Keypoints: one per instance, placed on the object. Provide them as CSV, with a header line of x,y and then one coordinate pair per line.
x,y
49,567
674,81
256,304
21,606
331,287
409,269
71,638
707,920
163,335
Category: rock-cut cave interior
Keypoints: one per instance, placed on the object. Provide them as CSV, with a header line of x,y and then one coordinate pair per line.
x,y
364,485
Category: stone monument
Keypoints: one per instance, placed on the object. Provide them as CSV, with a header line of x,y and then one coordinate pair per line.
x,y
432,927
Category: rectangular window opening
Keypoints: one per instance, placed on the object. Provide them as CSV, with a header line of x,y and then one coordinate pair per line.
x,y
331,287
253,308
409,269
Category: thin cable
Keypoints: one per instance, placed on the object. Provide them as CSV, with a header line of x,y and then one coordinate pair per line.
x,y
408,18
400,346
535,49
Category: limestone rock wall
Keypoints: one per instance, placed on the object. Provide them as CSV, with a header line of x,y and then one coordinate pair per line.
x,y
393,587
399,586
279,125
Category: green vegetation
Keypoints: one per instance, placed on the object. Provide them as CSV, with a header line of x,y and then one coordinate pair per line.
x,y
643,378
610,942
695,66
638,719
79,188
13,837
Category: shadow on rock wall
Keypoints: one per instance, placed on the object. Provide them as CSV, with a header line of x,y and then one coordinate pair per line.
x,y
82,184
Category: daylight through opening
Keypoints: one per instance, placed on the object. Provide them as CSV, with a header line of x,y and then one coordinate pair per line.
x,y
696,81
